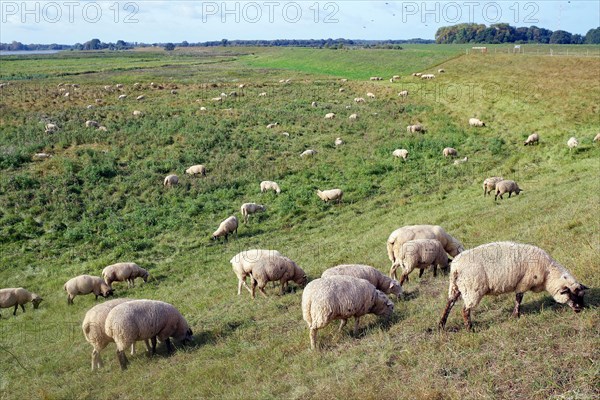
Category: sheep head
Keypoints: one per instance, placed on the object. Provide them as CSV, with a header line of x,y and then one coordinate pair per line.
x,y
36,301
573,297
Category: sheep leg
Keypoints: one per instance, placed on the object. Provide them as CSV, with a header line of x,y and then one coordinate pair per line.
x,y
466,313
69,300
449,305
509,193
253,288
403,278
393,272
343,324
421,270
284,286
147,343
517,311
313,338
15,311
23,307
240,283
262,290
96,360
434,270
356,322
153,350
169,346
122,359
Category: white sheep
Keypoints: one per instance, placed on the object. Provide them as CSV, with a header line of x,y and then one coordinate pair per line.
x,y
119,86
123,96
338,141
251,208
532,139
461,161
102,128
572,143
171,180
341,297
450,152
269,185
476,122
272,125
370,95
428,76
507,186
91,124
505,267
341,90
419,253
198,169
403,93
286,134
308,153
229,225
597,137
275,268
415,128
375,78
262,94
136,320
343,80
41,156
381,282
243,261
217,99
353,117
330,116
359,100
331,194
137,113
395,77
314,104
489,184
86,284
400,153
50,128
417,74
18,297
125,271
140,97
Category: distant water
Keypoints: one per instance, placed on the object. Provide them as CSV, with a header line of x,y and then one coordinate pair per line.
x,y
26,52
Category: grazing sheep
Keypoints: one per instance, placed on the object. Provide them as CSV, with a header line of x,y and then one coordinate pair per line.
x,y
314,104
403,93
375,78
330,116
137,85
102,128
308,153
343,80
272,125
171,180
341,297
226,227
353,117
532,139
415,128
173,91
196,170
359,100
251,208
269,185
417,74
400,153
461,161
137,113
441,71
428,76
41,156
85,284
136,320
597,137
242,85
243,261
420,253
489,184
50,128
505,267
202,108
287,134
140,97
126,271
450,152
91,124
18,297
338,141
395,77
572,143
381,282
275,268
119,86
507,186
223,95
370,95
476,122
123,96
217,99
262,94
331,194
341,90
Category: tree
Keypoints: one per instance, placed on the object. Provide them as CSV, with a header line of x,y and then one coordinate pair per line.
x,y
94,44
560,37
593,36
169,47
184,43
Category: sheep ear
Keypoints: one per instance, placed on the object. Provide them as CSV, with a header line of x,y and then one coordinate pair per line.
x,y
583,287
565,290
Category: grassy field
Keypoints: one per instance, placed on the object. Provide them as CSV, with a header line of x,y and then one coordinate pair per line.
x,y
100,200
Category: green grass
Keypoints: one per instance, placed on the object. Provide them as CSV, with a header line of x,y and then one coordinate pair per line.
x,y
100,200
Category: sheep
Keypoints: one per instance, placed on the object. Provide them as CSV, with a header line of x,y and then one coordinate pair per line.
x,y
85,284
359,100
338,141
93,330
243,261
314,104
137,113
403,93
119,86
343,80
532,139
375,78
67,94
272,125
400,153
202,108
140,97
103,128
41,156
18,297
223,95
50,128
506,267
217,99
136,320
287,134
476,122
269,185
428,76
395,77
489,184
331,194
411,232
441,71
125,271
415,128
262,94
461,161
353,117
173,91
242,85
450,152
341,90
370,95
419,253
226,227
330,116
91,124
275,268
597,137
308,153
123,96
341,297
171,180
196,170
417,74
381,282
251,208
572,143
506,186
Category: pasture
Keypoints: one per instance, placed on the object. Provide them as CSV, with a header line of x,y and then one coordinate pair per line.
x,y
100,200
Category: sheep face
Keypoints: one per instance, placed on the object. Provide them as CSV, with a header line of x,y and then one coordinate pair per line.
x,y
189,336
36,302
395,288
572,297
145,276
106,290
382,305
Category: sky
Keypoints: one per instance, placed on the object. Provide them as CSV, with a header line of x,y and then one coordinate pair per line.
x,y
71,21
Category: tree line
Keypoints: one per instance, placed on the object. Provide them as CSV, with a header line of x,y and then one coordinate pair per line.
x,y
505,33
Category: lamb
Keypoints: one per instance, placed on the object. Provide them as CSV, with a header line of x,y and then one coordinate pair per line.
x,y
243,261
420,253
136,320
275,268
353,117
341,297
126,271
506,267
597,137
308,153
85,284
506,186
50,128
18,297
370,95
251,208
572,143
359,100
450,151
532,139
461,161
476,122
91,124
400,153
338,141
331,194
489,184
368,273
171,180
415,128
198,169
226,227
269,185
403,93
330,116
